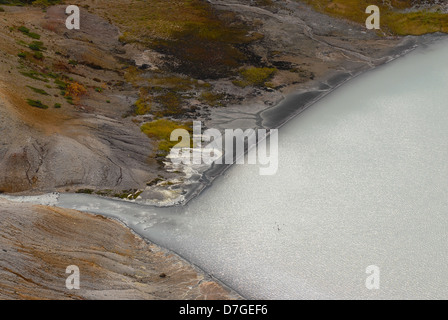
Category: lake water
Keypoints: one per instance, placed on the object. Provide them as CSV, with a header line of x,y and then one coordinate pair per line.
x,y
362,180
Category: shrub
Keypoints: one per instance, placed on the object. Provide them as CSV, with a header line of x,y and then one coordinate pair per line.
x,y
75,90
38,55
36,46
24,29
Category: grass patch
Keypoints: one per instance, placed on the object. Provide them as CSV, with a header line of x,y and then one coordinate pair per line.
x,y
201,41
143,104
60,84
417,23
393,19
33,35
211,98
69,99
40,3
253,76
37,104
38,55
23,29
39,91
160,131
36,46
35,75
28,33
85,191
171,104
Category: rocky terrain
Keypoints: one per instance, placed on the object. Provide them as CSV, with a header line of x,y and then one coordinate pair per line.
x,y
83,143
38,243
86,110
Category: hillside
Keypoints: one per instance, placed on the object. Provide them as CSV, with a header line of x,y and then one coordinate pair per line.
x,y
88,110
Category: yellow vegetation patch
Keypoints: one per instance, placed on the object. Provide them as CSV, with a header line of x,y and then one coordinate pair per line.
x,y
253,76
211,98
75,90
417,23
393,18
160,130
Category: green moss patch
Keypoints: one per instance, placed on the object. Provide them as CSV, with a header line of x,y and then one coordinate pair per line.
x,y
37,104
39,91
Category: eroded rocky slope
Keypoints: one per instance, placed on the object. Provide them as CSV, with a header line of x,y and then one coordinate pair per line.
x,y
38,243
74,103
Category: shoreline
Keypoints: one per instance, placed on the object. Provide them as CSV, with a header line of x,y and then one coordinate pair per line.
x,y
219,171
198,269
208,276
114,261
288,111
